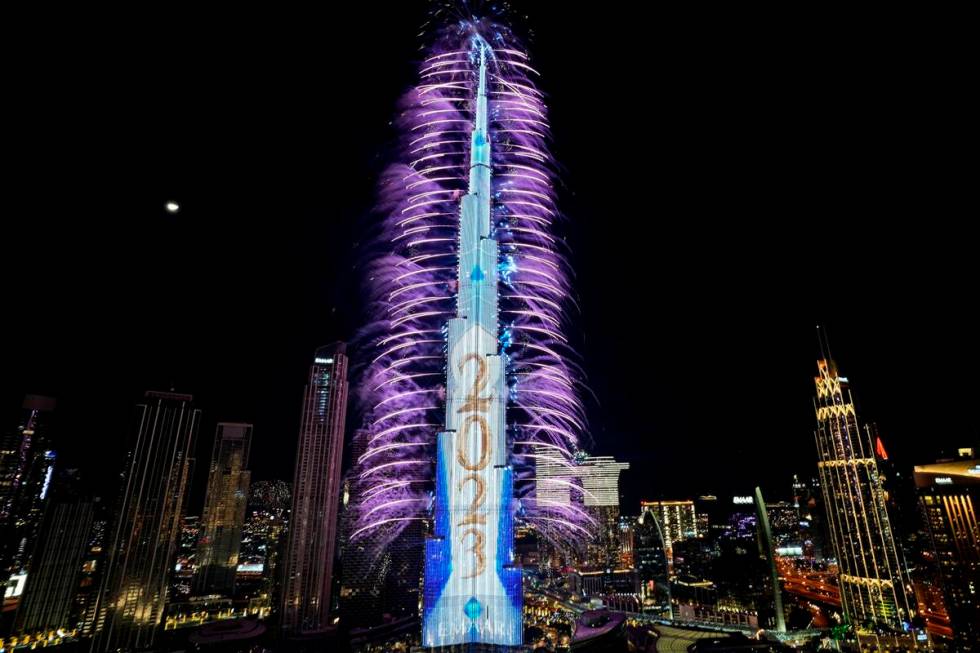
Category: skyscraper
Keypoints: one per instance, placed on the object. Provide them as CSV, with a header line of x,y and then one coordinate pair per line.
x,y
678,519
316,495
472,592
872,583
948,494
26,466
224,510
141,551
55,569
599,477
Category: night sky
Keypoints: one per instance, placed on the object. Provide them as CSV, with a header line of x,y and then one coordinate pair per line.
x,y
729,184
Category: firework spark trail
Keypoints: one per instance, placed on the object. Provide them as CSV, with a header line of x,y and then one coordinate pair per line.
x,y
412,278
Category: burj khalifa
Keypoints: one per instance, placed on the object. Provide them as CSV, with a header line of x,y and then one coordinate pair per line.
x,y
472,384
472,592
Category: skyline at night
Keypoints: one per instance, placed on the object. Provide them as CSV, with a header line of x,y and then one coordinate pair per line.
x,y
726,301
575,295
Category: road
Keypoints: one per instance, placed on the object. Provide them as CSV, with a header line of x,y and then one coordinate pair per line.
x,y
676,640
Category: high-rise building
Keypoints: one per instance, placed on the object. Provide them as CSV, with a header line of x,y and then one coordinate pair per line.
x,y
27,463
599,478
472,591
148,520
56,568
224,510
261,549
948,498
873,584
308,580
678,519
650,553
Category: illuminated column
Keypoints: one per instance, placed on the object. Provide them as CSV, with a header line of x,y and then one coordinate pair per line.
x,y
472,593
872,583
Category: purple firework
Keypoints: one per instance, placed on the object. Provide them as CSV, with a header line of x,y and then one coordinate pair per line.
x,y
411,280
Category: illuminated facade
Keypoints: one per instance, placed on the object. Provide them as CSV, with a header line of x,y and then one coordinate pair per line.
x,y
472,591
306,600
472,372
429,264
948,497
140,560
27,463
49,594
224,510
599,479
872,583
678,519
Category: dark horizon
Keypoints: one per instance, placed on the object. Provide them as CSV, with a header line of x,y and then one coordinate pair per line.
x,y
717,210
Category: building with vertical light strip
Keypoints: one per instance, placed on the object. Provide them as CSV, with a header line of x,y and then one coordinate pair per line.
x,y
141,552
678,519
224,510
47,604
472,591
948,497
873,585
308,580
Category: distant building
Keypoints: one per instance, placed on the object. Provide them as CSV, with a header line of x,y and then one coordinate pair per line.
x,y
652,563
599,478
308,580
262,542
948,496
224,510
678,519
27,461
872,582
141,550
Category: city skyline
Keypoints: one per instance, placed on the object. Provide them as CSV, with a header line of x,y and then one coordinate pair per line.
x,y
715,303
569,400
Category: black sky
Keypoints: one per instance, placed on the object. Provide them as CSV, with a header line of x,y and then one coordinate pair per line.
x,y
731,180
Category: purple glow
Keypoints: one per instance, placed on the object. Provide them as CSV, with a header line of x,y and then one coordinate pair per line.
x,y
411,280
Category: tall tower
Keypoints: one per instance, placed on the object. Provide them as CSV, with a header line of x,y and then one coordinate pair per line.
x,y
316,495
141,551
224,510
472,593
872,583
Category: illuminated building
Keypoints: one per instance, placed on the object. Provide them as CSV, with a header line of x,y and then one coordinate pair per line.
x,y
627,527
260,553
472,284
26,466
182,578
599,478
224,510
50,591
948,497
872,583
472,591
650,554
140,559
678,519
309,562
